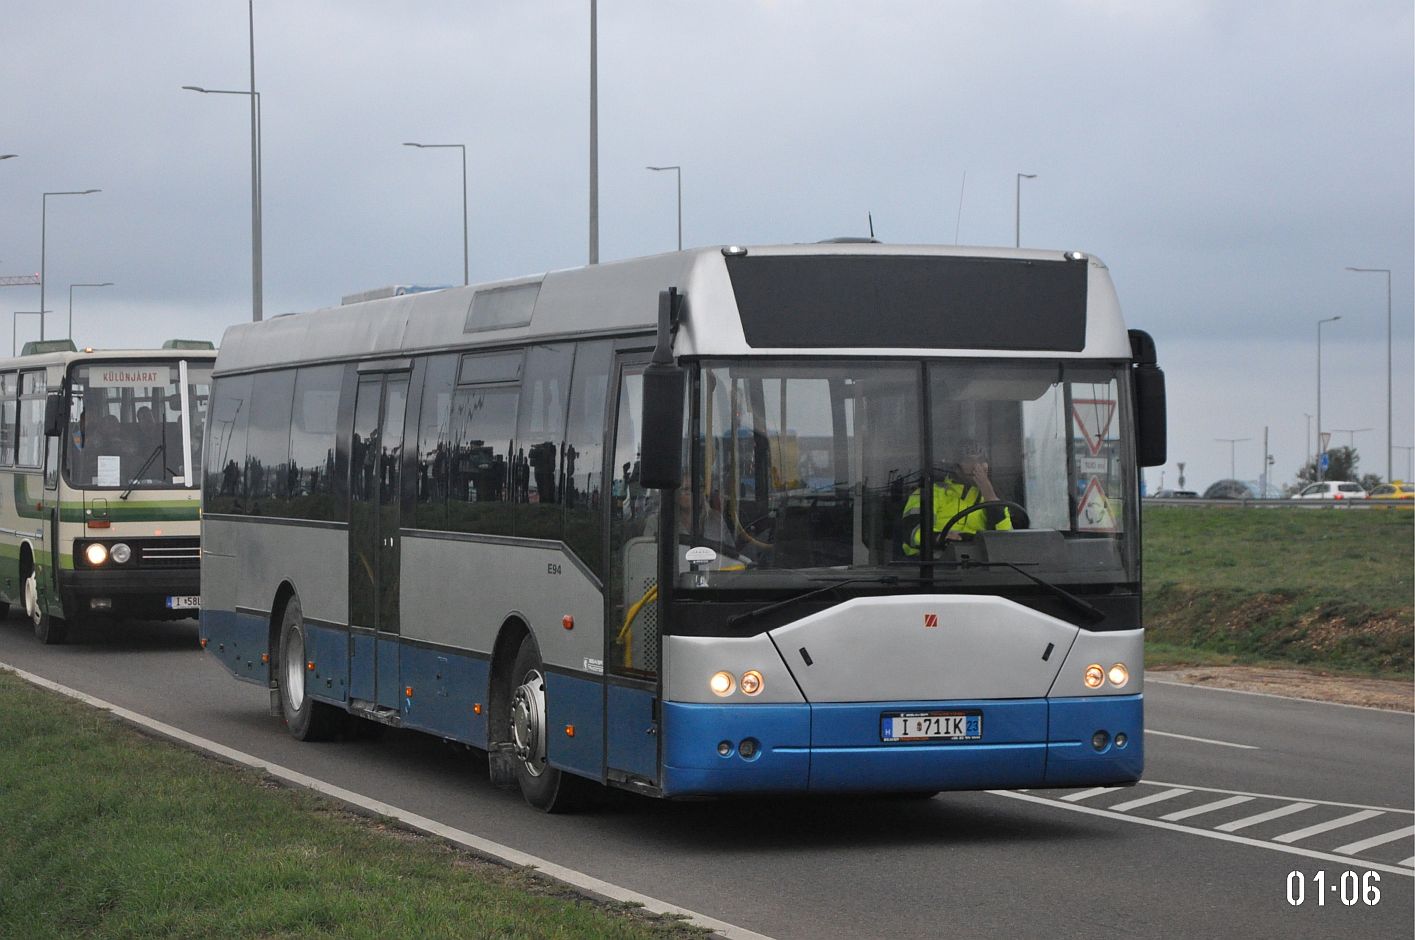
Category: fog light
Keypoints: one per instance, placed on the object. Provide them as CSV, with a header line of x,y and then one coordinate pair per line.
x,y
1094,677
722,683
1120,739
1118,674
96,554
748,748
121,553
751,682
1099,740
724,748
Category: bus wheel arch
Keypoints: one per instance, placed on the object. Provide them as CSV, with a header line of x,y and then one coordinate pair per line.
x,y
306,718
503,658
524,730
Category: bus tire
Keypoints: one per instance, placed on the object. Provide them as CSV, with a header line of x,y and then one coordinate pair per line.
x,y
47,630
307,719
546,788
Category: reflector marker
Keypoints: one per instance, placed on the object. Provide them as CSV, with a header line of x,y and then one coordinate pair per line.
x,y
1278,813
1320,828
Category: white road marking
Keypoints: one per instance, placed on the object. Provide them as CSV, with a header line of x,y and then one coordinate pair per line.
x,y
1207,808
1409,861
1087,794
1189,737
1203,833
1278,813
1169,794
1355,848
1328,826
1283,799
1149,677
587,884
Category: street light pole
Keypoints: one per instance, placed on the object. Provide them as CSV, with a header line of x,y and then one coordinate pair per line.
x,y
1309,432
71,303
257,268
1390,459
462,147
594,132
1233,443
678,172
1017,214
1317,466
43,238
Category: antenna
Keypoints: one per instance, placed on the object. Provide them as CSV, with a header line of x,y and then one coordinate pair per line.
x,y
871,217
959,224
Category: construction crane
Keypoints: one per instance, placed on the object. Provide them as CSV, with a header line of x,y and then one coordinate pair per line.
x,y
19,280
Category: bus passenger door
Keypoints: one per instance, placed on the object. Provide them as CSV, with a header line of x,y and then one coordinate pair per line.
x,y
375,462
631,596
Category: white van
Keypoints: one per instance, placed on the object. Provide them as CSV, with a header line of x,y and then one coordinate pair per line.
x,y
1332,489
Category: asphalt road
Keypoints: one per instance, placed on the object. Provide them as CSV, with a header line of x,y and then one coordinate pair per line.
x,y
1205,846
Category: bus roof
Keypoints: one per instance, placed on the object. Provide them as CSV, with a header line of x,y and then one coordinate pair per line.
x,y
621,298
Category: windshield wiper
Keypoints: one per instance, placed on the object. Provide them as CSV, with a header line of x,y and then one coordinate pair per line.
x,y
143,469
814,592
1089,611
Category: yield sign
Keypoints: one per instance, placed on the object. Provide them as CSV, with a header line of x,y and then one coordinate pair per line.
x,y
1323,442
1093,417
1094,513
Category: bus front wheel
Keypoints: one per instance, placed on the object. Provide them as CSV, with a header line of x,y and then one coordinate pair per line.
x,y
46,629
545,787
307,719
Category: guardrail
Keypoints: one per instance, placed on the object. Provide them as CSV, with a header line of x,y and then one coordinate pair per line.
x,y
1283,503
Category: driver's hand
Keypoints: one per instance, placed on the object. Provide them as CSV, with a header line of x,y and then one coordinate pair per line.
x,y
953,536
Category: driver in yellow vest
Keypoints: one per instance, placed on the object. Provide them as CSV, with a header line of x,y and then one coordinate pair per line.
x,y
959,487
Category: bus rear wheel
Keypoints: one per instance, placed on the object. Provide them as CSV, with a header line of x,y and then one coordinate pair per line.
x,y
47,630
545,787
307,719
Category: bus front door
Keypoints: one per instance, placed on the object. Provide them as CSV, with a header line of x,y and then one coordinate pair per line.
x,y
374,465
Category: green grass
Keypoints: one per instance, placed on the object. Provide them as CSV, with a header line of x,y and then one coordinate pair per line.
x,y
107,833
1324,588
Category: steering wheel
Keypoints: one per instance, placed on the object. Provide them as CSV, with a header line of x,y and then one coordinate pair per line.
x,y
985,504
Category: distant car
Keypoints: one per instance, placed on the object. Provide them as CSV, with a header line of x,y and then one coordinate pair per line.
x,y
1332,489
1176,494
1396,490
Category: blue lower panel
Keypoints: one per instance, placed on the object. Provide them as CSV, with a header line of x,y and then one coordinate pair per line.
x,y
692,734
1073,761
633,732
578,705
361,663
238,640
449,688
328,649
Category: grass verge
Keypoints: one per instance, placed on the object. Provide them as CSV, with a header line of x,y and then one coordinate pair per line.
x,y
1325,588
107,833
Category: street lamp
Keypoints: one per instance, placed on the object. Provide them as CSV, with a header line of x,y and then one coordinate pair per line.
x,y
678,172
1017,216
43,238
1321,447
1390,465
463,148
1233,443
71,303
257,267
1351,432
14,327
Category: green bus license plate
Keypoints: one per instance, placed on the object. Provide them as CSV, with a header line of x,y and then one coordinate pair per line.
x,y
184,602
930,726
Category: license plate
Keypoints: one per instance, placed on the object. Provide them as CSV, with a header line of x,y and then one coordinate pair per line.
x,y
930,726
184,602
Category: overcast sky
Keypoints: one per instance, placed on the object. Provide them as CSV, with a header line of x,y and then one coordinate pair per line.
x,y
1227,160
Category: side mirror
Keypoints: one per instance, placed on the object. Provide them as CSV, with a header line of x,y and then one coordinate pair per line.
x,y
1151,430
54,415
661,462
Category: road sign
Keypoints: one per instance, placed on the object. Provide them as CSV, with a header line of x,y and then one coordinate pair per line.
x,y
1323,462
1323,441
1093,417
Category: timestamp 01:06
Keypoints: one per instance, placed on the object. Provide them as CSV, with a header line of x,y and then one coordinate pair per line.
x,y
1349,888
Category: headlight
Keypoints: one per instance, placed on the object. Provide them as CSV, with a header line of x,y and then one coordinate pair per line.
x,y
721,683
1118,674
96,554
1094,677
751,682
121,553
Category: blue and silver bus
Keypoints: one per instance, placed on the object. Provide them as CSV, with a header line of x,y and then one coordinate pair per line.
x,y
772,520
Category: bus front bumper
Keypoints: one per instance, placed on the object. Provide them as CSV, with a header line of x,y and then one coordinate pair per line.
x,y
838,748
133,593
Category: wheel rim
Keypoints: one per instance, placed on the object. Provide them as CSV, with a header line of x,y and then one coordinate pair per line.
x,y
32,599
528,723
294,658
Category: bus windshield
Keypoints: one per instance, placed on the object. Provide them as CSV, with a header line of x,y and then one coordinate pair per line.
x,y
126,423
820,469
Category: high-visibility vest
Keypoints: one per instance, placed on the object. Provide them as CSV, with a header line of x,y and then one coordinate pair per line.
x,y
950,498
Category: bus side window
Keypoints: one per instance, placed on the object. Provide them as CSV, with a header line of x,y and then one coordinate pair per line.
x,y
224,489
268,444
633,582
9,409
313,420
581,466
540,432
478,496
434,444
